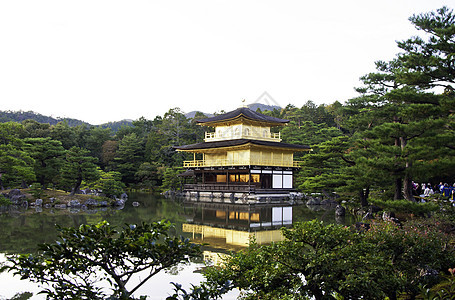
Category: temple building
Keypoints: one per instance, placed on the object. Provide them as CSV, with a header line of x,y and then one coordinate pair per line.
x,y
241,157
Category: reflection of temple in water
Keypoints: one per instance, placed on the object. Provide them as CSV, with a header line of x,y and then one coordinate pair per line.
x,y
231,227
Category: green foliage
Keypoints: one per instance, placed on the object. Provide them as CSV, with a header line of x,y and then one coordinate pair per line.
x,y
79,166
65,134
68,266
15,166
20,116
405,206
148,176
49,158
340,165
34,129
4,201
129,157
413,121
441,291
110,183
116,126
15,163
170,179
95,139
37,190
201,292
420,253
319,260
399,129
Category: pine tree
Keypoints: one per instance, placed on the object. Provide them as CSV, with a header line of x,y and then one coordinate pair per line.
x,y
411,124
79,166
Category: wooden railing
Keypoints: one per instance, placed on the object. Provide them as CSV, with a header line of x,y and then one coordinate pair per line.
x,y
227,162
214,136
217,187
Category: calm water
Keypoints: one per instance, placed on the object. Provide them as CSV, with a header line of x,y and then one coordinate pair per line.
x,y
224,227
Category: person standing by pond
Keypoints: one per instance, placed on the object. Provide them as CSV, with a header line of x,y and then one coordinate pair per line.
x,y
446,191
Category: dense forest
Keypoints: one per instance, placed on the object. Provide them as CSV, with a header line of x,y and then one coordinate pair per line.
x,y
399,130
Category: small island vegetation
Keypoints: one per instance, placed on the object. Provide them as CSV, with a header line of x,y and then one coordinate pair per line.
x,y
372,154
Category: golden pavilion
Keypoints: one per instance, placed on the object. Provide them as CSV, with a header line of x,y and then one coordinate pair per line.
x,y
242,157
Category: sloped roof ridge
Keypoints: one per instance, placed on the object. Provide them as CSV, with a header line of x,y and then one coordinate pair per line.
x,y
247,113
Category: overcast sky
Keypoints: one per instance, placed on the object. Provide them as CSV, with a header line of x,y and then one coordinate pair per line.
x,y
101,61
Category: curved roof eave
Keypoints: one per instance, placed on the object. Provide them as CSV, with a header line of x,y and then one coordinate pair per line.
x,y
240,142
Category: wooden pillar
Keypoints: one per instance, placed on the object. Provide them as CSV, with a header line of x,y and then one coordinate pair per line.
x,y
249,180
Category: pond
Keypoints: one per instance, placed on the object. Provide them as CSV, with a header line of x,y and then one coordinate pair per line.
x,y
224,227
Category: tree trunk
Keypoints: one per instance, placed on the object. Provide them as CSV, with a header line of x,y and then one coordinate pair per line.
x,y
398,189
76,186
407,188
24,184
398,195
407,182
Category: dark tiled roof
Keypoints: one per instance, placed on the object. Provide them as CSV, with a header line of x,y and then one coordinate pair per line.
x,y
239,142
247,113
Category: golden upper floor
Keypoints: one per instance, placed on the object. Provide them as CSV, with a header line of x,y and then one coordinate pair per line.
x,y
241,138
242,123
242,131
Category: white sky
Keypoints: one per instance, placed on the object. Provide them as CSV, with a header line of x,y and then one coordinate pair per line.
x,y
108,60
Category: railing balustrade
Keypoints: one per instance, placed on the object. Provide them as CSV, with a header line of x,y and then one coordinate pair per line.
x,y
228,162
215,136
220,187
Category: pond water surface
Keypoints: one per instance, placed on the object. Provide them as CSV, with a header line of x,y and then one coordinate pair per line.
x,y
224,227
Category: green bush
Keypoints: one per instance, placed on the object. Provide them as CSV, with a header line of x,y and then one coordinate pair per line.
x,y
110,184
324,261
68,265
4,201
37,190
442,291
406,206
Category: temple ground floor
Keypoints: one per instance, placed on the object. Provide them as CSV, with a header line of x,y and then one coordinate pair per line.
x,y
244,183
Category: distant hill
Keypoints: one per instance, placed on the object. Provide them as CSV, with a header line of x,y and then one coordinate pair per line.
x,y
191,114
115,126
263,107
19,116
253,106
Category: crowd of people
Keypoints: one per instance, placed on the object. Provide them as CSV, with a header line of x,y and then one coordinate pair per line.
x,y
443,190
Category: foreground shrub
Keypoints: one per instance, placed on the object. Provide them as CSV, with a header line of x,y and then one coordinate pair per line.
x,y
333,261
73,266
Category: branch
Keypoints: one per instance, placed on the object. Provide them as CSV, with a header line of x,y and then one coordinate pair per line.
x,y
350,162
157,270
